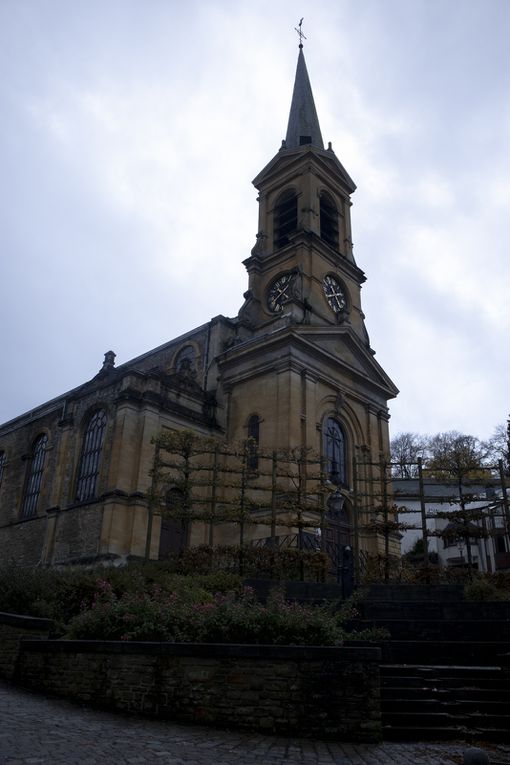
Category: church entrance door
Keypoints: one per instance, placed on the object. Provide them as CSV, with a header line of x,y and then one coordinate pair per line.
x,y
337,543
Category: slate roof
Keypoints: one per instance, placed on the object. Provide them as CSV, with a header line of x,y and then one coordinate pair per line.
x,y
303,120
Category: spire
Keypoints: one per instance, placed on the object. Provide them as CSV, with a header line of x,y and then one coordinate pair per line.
x,y
303,127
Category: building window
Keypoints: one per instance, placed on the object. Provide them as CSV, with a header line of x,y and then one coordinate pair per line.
x,y
252,462
90,456
335,452
329,220
2,466
285,218
34,478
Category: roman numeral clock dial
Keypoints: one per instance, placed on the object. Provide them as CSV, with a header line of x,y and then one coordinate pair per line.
x,y
280,292
335,294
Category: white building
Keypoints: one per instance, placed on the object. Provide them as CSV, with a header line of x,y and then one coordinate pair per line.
x,y
484,513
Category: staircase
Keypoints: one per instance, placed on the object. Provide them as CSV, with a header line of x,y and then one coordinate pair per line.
x,y
445,673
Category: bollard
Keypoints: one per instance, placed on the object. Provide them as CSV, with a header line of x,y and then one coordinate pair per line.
x,y
475,756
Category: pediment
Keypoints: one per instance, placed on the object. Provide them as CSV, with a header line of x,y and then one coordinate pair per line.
x,y
334,354
342,348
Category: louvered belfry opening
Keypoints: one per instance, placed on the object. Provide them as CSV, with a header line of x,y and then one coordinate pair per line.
x,y
329,220
285,218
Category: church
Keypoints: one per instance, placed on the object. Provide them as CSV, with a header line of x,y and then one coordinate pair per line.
x,y
294,370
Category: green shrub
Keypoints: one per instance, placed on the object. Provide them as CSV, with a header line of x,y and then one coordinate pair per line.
x,y
151,601
61,594
488,587
222,618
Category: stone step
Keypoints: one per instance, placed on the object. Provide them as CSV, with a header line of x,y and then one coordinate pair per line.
x,y
444,702
431,671
447,704
474,653
444,719
436,629
395,691
443,733
464,610
415,592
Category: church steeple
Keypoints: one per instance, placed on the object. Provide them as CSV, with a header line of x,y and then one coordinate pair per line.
x,y
303,127
302,268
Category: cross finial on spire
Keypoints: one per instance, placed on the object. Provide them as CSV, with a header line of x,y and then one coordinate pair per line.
x,y
300,33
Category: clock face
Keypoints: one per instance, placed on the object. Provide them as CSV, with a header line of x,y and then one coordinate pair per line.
x,y
335,294
280,292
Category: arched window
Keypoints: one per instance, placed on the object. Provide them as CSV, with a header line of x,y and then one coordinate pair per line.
x,y
2,466
34,477
185,360
329,220
335,452
253,442
90,456
285,218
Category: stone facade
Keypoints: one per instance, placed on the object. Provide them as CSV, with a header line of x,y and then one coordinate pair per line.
x,y
296,361
310,691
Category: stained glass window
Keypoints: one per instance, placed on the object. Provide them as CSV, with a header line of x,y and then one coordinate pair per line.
x,y
335,452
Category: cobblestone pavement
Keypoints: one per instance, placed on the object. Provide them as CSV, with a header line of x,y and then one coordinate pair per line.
x,y
35,730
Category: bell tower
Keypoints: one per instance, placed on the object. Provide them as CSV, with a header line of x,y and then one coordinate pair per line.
x,y
300,365
302,269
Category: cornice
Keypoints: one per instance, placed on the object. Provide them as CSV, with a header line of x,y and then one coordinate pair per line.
x,y
259,263
290,160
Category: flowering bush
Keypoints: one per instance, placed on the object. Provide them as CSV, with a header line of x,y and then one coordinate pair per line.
x,y
222,618
149,601
62,594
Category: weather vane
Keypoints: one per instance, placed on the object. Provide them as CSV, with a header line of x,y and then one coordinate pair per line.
x,y
300,33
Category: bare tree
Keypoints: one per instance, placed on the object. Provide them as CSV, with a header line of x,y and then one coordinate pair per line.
x,y
405,450
458,458
456,455
498,445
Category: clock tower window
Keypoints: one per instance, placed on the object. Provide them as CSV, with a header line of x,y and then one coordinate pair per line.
x,y
329,220
285,218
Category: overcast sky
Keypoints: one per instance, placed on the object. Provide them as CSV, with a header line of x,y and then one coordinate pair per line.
x,y
130,131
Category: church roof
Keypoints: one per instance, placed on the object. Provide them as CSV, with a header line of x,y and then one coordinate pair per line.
x,y
303,127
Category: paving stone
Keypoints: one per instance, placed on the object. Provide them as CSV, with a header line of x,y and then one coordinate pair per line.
x,y
35,730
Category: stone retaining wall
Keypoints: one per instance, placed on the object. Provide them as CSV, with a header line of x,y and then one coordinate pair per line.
x,y
309,691
13,629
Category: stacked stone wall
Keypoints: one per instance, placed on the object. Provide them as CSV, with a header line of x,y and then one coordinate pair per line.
x,y
13,629
310,691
